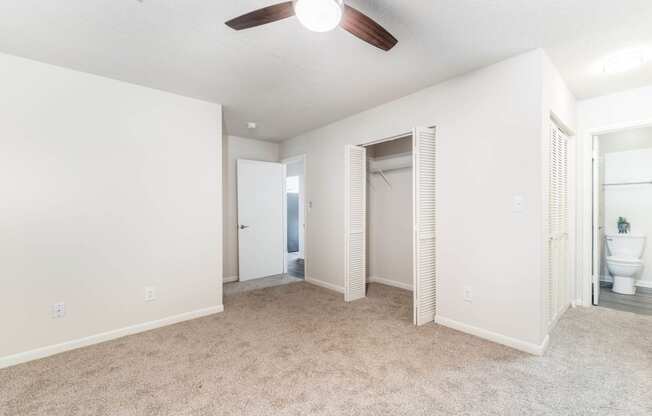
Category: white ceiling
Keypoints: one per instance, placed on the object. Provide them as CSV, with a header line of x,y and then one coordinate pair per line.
x,y
290,80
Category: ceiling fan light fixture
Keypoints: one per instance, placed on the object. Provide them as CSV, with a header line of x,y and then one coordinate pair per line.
x,y
319,15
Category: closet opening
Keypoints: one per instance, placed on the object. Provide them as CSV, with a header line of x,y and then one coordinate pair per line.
x,y
389,248
390,222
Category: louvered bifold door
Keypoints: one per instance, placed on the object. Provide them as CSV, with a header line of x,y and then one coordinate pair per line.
x,y
557,246
355,223
425,270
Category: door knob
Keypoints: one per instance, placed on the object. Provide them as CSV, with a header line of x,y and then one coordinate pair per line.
x,y
242,227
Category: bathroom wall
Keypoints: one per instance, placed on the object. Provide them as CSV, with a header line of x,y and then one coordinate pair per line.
x,y
633,202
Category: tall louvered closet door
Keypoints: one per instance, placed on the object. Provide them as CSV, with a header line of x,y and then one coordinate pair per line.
x,y
557,265
355,275
425,270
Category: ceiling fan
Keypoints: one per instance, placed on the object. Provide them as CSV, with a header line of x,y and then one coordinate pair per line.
x,y
320,16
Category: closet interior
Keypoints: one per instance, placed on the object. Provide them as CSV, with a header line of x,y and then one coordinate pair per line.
x,y
390,229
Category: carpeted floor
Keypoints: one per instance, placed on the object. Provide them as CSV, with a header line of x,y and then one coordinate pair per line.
x,y
300,350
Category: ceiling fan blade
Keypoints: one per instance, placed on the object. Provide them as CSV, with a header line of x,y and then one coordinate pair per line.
x,y
262,16
365,28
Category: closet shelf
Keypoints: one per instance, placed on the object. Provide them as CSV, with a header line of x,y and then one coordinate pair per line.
x,y
401,161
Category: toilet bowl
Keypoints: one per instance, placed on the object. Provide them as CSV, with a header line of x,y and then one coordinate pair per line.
x,y
624,261
623,270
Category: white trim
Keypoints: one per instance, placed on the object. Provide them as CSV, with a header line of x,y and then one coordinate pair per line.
x,y
325,285
558,316
23,357
388,282
285,217
495,337
230,279
388,139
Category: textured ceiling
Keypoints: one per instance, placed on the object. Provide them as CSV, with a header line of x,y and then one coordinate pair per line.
x,y
290,80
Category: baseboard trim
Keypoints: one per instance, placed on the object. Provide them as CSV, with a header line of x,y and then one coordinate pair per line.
x,y
230,279
517,344
388,282
35,354
325,285
558,317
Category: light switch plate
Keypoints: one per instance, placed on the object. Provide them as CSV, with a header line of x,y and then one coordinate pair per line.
x,y
468,294
150,294
58,310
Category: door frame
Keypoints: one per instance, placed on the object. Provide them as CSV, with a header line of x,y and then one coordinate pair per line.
x,y
584,223
285,162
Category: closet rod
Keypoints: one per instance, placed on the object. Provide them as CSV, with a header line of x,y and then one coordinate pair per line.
x,y
384,177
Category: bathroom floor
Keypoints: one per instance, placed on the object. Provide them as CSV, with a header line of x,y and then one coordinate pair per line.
x,y
640,303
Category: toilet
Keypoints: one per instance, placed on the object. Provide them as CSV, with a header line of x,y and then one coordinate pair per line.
x,y
624,261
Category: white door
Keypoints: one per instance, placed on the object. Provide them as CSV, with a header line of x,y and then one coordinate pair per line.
x,y
597,237
260,219
425,277
355,274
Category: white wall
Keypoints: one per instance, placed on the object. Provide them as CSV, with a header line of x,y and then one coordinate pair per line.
x,y
389,220
489,149
597,116
238,148
632,202
107,187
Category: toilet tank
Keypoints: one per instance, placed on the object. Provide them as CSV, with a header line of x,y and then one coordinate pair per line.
x,y
626,245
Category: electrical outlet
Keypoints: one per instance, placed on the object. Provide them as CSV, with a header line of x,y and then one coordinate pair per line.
x,y
150,294
58,310
468,294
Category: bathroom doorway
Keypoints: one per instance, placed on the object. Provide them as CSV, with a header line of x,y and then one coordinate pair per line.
x,y
622,224
295,216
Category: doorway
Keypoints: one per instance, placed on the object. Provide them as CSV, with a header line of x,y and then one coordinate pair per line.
x,y
622,200
262,226
295,216
423,221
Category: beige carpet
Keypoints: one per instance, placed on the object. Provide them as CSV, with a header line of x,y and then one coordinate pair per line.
x,y
300,350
